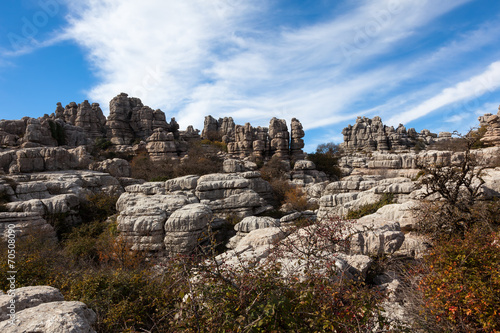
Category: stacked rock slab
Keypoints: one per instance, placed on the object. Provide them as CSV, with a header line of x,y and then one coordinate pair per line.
x,y
25,224
296,142
43,309
221,129
84,115
129,119
492,135
371,135
259,142
161,145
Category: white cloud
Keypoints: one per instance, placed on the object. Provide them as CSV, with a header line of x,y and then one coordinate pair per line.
x,y
194,58
475,87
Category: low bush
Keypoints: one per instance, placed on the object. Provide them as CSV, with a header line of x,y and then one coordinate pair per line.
x,y
199,161
98,207
296,199
461,286
326,159
386,199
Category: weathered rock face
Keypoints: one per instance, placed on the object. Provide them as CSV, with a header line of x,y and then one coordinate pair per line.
x,y
371,134
280,137
260,142
296,142
43,159
304,172
116,167
186,228
43,309
232,193
492,135
129,119
88,117
222,129
161,145
26,224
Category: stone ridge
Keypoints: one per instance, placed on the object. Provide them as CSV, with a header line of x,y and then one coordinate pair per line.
x,y
259,142
492,124
371,135
129,122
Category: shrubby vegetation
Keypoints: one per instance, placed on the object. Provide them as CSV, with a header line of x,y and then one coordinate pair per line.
x,y
326,159
130,294
201,160
386,199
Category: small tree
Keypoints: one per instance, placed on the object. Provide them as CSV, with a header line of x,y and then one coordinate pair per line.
x,y
458,184
326,159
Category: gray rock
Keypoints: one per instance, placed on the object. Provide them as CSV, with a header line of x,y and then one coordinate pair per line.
x,y
53,317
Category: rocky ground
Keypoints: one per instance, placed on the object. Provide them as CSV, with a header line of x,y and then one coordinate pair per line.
x,y
41,178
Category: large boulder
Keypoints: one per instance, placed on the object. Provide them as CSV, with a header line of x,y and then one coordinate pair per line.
x,y
186,228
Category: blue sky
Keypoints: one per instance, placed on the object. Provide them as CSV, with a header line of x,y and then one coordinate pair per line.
x,y
431,64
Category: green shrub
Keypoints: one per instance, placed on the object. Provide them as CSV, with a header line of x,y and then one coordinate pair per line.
x,y
326,159
461,286
214,143
386,199
200,161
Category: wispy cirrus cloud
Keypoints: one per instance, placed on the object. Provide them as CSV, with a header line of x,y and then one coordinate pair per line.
x,y
486,82
227,58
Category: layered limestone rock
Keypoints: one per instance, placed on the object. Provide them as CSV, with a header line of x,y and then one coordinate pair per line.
x,y
43,309
161,145
187,228
221,129
296,141
116,167
248,224
371,135
231,193
279,135
304,172
43,159
258,142
142,218
129,119
86,116
492,123
25,224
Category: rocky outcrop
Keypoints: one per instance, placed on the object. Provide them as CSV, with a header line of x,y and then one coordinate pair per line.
x,y
161,145
304,172
231,193
492,123
86,116
187,228
129,119
296,141
43,309
116,167
258,142
371,135
43,159
25,224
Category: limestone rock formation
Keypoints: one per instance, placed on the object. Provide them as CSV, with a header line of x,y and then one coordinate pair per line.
x,y
161,145
371,134
492,135
296,142
116,167
26,224
129,119
259,142
43,309
186,228
86,116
